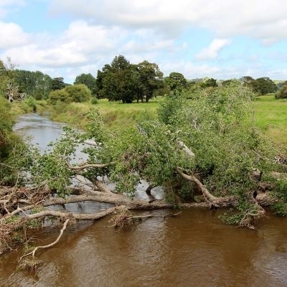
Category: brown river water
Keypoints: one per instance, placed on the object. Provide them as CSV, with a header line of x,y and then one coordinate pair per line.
x,y
192,249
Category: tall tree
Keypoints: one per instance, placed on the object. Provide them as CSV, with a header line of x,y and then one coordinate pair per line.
x,y
176,81
8,87
265,86
34,84
57,83
117,80
151,79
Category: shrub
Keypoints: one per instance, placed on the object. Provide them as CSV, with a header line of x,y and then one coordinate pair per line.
x,y
78,93
59,95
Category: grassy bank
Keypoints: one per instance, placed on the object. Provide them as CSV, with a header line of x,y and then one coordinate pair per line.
x,y
270,114
114,114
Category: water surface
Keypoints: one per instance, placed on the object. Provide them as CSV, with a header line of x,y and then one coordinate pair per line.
x,y
193,249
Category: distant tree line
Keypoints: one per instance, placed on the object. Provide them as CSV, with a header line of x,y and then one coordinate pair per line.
x,y
123,81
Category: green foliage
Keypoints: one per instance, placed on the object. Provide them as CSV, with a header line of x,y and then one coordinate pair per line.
x,y
89,81
209,83
265,86
279,209
14,155
35,84
31,103
76,93
57,83
176,81
94,101
123,81
59,96
167,111
231,217
52,166
282,93
217,127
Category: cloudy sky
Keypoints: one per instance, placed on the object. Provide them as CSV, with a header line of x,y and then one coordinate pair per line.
x,y
199,38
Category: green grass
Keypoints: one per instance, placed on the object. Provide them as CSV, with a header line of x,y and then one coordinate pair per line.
x,y
115,115
271,118
270,114
118,115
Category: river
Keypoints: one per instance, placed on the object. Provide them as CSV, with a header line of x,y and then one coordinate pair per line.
x,y
193,249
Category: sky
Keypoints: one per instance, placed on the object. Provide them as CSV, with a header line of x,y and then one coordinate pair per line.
x,y
223,39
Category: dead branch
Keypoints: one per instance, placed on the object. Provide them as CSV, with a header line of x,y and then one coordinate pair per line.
x,y
89,165
48,245
188,151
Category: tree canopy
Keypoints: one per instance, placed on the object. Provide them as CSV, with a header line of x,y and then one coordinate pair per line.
x,y
176,81
35,84
123,81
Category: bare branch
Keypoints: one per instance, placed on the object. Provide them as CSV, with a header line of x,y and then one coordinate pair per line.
x,y
102,187
188,151
207,195
89,165
48,245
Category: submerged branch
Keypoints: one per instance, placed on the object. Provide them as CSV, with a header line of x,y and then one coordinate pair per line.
x,y
48,245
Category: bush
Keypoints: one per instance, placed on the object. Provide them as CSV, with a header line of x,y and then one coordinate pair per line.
x,y
76,93
59,96
31,103
282,94
12,150
94,101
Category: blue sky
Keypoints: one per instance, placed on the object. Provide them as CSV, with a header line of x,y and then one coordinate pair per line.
x,y
222,39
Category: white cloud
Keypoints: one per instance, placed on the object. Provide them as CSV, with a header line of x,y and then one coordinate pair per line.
x,y
12,35
263,19
7,5
211,52
143,30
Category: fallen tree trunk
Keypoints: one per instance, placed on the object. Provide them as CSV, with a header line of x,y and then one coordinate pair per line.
x,y
21,201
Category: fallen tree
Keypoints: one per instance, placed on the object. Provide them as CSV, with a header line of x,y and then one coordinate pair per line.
x,y
202,152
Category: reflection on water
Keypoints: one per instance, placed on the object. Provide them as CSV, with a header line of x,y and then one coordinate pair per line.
x,y
193,249
38,129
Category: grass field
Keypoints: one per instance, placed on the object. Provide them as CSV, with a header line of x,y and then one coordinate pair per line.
x,y
270,114
271,117
115,115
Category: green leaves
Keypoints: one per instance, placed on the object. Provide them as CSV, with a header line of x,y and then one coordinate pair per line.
x,y
76,93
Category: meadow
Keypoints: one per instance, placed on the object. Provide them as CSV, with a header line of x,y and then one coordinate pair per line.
x,y
270,115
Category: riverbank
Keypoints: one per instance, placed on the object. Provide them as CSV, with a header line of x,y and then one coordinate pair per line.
x,y
270,114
